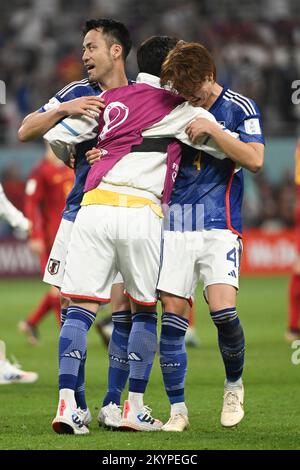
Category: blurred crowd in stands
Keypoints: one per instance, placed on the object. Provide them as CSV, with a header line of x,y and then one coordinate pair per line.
x,y
256,45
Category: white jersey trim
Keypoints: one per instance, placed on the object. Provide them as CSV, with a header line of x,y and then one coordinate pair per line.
x,y
239,99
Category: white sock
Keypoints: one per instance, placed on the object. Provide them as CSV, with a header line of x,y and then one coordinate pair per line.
x,y
136,400
69,396
179,408
233,385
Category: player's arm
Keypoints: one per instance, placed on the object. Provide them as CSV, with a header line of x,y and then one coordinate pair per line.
x,y
11,214
249,155
175,123
69,132
38,123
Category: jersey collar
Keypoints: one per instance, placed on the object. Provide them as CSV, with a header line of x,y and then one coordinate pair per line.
x,y
148,79
218,100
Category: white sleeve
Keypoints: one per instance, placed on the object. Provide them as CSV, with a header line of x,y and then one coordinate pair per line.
x,y
11,214
174,125
71,131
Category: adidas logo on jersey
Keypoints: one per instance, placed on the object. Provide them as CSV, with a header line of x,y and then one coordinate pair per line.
x,y
134,357
232,273
75,354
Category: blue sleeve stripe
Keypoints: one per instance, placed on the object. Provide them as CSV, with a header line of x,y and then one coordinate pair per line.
x,y
70,129
72,85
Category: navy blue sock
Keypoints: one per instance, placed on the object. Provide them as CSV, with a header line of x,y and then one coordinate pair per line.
x,y
72,345
231,341
118,370
63,316
80,386
173,358
142,346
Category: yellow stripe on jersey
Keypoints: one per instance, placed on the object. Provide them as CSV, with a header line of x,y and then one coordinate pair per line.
x,y
297,163
110,198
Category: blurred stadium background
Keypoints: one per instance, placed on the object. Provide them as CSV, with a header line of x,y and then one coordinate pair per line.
x,y
256,45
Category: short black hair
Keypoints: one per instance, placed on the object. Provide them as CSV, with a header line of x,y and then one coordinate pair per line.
x,y
152,53
115,31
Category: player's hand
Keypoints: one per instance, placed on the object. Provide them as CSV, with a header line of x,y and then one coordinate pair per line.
x,y
84,106
198,128
93,155
37,246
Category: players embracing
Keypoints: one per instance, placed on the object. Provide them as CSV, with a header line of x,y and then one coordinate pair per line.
x,y
221,194
217,186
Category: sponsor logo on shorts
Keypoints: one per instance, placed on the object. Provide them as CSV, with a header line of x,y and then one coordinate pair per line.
x,y
232,273
53,266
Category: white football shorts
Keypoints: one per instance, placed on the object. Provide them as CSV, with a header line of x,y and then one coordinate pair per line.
x,y
210,256
106,240
55,269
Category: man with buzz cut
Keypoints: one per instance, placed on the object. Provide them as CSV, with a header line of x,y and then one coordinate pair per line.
x,y
205,244
106,46
124,193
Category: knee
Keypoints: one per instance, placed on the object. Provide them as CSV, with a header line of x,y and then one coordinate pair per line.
x,y
220,297
120,305
137,308
119,301
173,304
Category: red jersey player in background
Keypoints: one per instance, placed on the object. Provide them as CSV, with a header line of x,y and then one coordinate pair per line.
x,y
46,190
293,331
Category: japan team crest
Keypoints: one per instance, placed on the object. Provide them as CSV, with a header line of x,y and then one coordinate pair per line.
x,y
53,266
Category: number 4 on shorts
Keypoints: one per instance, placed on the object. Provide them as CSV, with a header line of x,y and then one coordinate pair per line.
x,y
231,256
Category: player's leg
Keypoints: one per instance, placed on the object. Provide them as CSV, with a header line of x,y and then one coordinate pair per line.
x,y
173,357
118,371
53,275
220,271
72,352
87,281
293,331
138,254
176,283
142,347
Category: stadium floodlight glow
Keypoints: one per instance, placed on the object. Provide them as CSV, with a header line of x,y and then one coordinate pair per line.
x,y
2,92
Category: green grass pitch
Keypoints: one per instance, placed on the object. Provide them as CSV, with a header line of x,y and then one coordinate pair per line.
x,y
271,381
